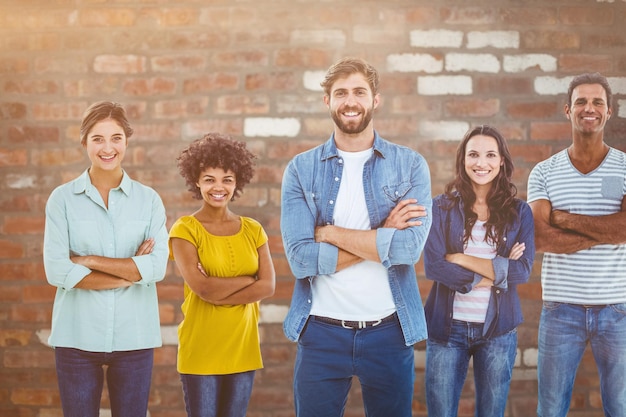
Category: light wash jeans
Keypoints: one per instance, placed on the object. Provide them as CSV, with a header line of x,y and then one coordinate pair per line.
x,y
564,332
217,395
329,356
81,378
447,365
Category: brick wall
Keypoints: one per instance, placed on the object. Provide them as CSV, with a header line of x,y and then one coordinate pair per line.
x,y
251,68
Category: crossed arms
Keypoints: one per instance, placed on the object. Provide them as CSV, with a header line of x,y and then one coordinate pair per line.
x,y
224,290
559,231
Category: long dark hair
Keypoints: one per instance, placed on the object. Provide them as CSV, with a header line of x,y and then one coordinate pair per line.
x,y
501,196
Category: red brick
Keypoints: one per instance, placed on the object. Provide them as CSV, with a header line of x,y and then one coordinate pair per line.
x,y
33,42
11,250
14,337
550,130
31,313
31,87
472,107
299,57
581,16
33,134
12,110
120,64
178,63
281,81
241,59
38,293
14,65
242,104
149,87
58,111
17,157
57,157
549,39
33,396
171,16
107,17
211,82
534,110
10,293
23,225
102,86
585,62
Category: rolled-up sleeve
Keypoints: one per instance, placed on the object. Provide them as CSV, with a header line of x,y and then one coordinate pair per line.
x,y
60,271
152,267
297,224
404,247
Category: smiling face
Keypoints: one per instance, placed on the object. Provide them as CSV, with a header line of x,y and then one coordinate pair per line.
x,y
482,160
106,145
351,103
589,110
217,186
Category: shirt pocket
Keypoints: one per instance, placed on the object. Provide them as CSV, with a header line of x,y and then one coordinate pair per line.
x,y
397,192
612,188
133,234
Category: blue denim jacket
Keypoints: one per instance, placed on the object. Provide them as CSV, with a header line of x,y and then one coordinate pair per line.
x,y
504,312
309,189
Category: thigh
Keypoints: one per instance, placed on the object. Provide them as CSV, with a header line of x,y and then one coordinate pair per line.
x,y
446,369
609,350
80,378
323,370
235,394
128,379
201,393
493,368
562,342
385,366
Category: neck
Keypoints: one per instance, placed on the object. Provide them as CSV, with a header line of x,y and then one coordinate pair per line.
x,y
354,142
105,179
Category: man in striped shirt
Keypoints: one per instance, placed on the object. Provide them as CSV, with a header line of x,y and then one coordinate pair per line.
x,y
577,199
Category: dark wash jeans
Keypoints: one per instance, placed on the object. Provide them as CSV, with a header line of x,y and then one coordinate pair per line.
x,y
81,378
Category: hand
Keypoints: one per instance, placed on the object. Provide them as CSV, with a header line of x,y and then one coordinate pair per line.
x,y
401,215
146,247
517,251
319,233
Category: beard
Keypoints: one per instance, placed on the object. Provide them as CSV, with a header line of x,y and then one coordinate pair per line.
x,y
352,127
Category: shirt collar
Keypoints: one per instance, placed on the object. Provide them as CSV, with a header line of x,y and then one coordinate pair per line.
x,y
329,149
82,183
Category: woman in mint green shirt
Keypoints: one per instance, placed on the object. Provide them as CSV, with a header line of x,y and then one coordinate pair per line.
x,y
105,247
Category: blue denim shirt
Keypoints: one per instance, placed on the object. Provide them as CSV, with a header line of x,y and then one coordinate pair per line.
x,y
309,190
504,312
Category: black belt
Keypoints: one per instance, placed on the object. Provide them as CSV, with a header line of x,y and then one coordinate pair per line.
x,y
350,324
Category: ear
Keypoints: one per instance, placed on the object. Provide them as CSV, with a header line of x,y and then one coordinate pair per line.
x,y
376,100
566,109
327,100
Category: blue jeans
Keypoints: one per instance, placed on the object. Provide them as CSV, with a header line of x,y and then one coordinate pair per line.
x,y
447,365
81,378
329,356
217,395
564,332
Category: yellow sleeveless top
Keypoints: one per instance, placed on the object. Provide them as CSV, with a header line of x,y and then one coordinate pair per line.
x,y
212,339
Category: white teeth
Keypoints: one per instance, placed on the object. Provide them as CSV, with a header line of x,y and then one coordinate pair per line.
x,y
350,114
108,158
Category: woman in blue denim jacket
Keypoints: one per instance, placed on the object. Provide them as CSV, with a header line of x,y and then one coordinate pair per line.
x,y
480,247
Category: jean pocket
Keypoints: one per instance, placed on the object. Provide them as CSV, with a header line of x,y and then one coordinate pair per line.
x,y
619,308
551,305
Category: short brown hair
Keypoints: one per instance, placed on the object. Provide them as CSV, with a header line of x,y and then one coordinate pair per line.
x,y
103,110
346,67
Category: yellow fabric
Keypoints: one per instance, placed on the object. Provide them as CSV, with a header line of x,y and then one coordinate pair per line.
x,y
218,340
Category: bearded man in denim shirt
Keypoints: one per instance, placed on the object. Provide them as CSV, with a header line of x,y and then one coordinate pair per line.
x,y
354,222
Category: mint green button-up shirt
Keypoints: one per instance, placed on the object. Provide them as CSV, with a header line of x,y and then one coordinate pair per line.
x,y
78,222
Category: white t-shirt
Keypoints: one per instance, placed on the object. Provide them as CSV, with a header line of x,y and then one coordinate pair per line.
x,y
361,291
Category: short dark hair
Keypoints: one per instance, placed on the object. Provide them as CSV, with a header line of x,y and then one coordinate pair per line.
x,y
103,110
346,67
216,150
590,78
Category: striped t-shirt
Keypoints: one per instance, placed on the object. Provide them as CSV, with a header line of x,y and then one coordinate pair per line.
x,y
594,276
472,306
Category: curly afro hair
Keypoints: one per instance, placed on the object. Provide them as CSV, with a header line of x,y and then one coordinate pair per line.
x,y
216,150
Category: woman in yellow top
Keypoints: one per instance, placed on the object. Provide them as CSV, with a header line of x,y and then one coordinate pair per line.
x,y
225,262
